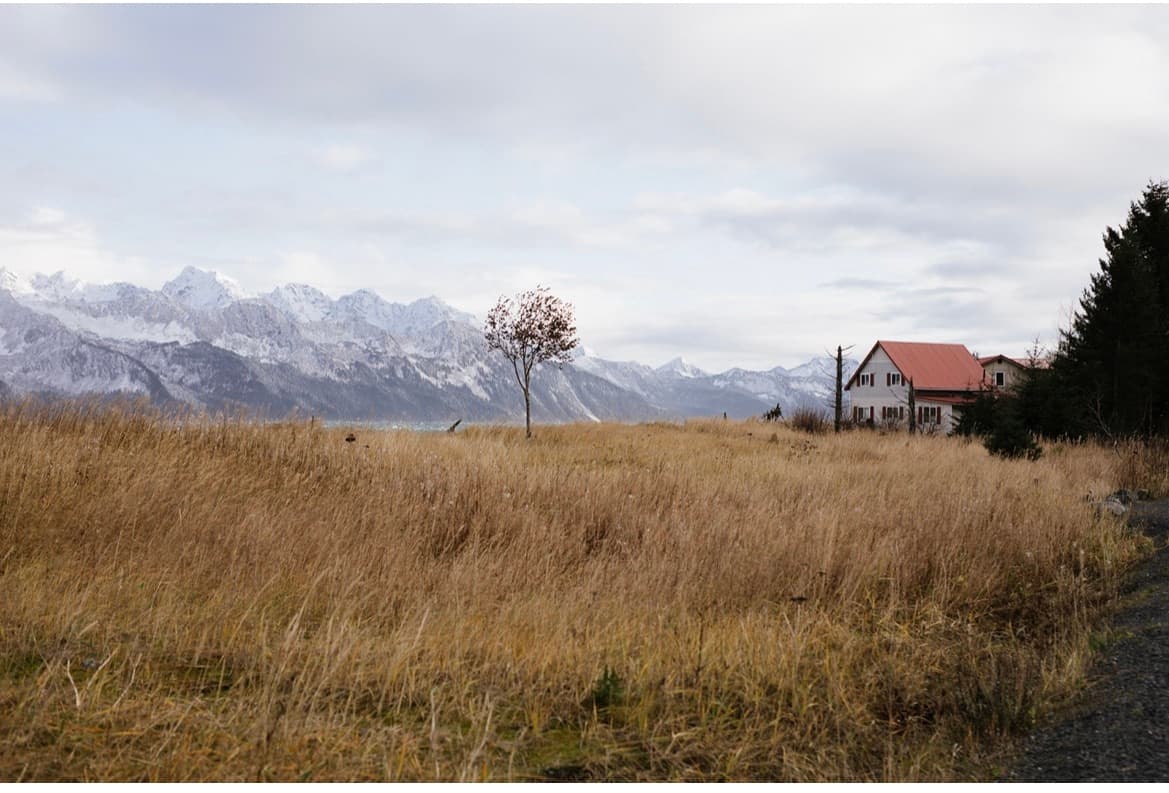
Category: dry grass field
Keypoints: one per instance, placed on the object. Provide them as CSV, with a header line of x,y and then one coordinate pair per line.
x,y
223,600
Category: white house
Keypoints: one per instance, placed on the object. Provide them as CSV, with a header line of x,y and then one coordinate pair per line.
x,y
945,377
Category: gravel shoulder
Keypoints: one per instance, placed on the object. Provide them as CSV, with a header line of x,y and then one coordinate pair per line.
x,y
1118,731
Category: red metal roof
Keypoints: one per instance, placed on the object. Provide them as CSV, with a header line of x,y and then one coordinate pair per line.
x,y
942,367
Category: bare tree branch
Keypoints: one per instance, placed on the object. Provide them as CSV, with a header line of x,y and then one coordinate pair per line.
x,y
535,327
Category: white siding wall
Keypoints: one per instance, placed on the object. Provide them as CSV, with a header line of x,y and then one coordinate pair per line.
x,y
948,417
879,395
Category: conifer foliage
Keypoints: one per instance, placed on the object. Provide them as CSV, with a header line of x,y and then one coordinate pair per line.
x,y
1110,375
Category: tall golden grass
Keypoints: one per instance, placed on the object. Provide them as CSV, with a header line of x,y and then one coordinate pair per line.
x,y
200,599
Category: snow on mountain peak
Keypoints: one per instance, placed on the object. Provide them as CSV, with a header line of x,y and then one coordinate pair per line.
x,y
61,288
412,320
433,308
823,366
364,296
203,289
302,301
367,356
678,367
57,286
13,283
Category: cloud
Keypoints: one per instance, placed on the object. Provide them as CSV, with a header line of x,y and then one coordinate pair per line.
x,y
343,157
299,267
539,223
42,224
861,284
48,240
16,85
916,97
921,100
933,105
843,214
863,171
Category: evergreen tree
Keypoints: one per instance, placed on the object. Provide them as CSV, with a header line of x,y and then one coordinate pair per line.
x,y
1007,436
1112,366
977,417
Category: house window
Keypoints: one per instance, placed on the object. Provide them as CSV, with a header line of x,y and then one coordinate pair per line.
x,y
929,414
892,413
867,379
858,413
895,378
1000,379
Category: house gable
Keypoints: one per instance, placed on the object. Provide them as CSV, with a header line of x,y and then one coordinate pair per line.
x,y
876,363
932,367
1003,372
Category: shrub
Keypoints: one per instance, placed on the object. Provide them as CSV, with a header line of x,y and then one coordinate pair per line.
x,y
1008,438
978,417
998,420
809,420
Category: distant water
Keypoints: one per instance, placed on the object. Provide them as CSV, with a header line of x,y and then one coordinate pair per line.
x,y
416,426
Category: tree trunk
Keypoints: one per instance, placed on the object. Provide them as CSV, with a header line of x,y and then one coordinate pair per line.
x,y
839,384
527,408
912,408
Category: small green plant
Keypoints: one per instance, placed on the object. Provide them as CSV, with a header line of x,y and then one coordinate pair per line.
x,y
607,691
1008,437
997,419
1010,444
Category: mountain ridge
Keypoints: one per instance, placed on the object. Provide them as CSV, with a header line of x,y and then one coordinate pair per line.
x,y
202,340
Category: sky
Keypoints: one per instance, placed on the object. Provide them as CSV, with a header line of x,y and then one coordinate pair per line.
x,y
739,185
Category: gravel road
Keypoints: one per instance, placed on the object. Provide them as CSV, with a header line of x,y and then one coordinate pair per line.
x,y
1119,729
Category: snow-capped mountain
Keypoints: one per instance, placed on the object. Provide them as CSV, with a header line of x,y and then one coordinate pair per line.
x,y
412,321
13,284
202,290
679,368
301,302
202,340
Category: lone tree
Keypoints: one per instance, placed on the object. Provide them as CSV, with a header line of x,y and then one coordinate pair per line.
x,y
533,328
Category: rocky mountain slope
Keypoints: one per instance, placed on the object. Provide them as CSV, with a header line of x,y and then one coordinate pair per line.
x,y
203,341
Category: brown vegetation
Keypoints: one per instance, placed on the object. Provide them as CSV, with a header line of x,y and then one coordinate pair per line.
x,y
1143,465
218,600
810,420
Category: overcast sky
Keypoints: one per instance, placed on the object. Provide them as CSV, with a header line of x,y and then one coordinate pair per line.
x,y
744,186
